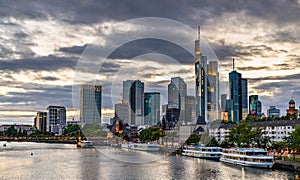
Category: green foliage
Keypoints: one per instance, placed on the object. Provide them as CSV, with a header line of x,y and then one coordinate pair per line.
x,y
278,145
293,141
193,139
38,133
11,131
225,144
244,135
72,129
151,134
93,130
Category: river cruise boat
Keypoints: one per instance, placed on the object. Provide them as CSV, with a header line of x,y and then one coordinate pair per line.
x,y
141,146
213,153
247,157
86,144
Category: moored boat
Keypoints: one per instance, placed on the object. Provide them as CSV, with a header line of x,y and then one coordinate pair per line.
x,y
141,146
213,153
86,144
247,157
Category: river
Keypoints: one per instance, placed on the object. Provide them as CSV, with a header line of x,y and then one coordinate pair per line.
x,y
25,160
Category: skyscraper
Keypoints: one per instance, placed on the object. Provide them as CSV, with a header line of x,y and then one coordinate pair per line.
x,y
90,103
273,112
201,81
255,106
213,91
190,109
122,112
235,88
152,108
223,101
40,121
136,103
177,90
244,98
56,118
126,91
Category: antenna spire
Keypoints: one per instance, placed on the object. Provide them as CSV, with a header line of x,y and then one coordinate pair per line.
x,y
199,31
232,64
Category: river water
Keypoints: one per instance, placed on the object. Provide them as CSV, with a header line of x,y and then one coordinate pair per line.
x,y
65,161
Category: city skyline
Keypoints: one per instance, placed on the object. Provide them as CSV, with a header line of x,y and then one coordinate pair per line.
x,y
40,48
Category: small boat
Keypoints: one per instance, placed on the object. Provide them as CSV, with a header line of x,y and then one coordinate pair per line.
x,y
141,146
4,145
87,144
212,153
248,157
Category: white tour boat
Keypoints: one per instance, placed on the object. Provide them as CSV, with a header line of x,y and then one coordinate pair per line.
x,y
213,153
247,157
141,146
86,144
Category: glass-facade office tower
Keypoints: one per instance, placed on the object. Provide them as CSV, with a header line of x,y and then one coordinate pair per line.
x,y
223,101
244,98
255,106
56,118
90,103
122,112
40,121
190,109
177,90
213,91
201,82
235,89
152,108
273,112
136,102
126,91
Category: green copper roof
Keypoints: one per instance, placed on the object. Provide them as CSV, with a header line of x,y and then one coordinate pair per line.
x,y
292,101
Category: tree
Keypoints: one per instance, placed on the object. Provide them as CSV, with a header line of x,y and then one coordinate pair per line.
x,y
293,141
245,135
72,129
150,134
193,139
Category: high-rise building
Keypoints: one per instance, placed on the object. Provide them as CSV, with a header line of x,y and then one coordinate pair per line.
x,y
177,90
56,119
223,101
273,112
90,103
207,86
255,106
235,88
126,91
122,112
136,102
213,91
244,98
190,109
152,108
40,121
228,110
201,81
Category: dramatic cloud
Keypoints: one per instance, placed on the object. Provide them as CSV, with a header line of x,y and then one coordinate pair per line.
x,y
41,43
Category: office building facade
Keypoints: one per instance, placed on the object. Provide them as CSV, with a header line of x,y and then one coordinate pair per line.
x,y
40,121
235,89
56,119
152,108
177,91
136,102
273,112
90,103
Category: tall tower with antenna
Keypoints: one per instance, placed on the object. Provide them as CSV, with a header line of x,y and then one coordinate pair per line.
x,y
201,81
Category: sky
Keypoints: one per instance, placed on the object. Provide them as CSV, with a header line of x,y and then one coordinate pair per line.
x,y
49,48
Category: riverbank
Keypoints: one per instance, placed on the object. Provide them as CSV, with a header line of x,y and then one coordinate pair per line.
x,y
287,165
62,141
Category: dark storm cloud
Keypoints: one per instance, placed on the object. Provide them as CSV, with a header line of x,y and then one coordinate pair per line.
x,y
279,77
50,63
183,10
252,68
146,46
73,49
